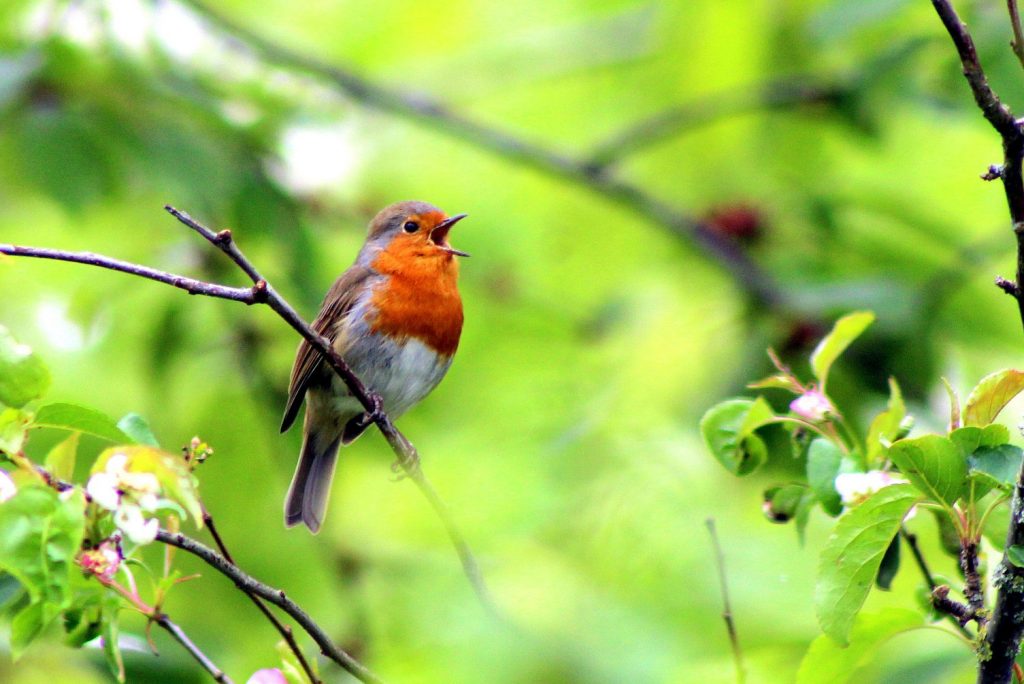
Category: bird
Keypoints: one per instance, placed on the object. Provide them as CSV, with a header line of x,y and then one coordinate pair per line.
x,y
395,317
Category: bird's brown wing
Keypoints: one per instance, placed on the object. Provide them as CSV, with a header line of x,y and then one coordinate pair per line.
x,y
339,300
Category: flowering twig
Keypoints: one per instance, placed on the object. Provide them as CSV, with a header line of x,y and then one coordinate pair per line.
x,y
277,597
160,618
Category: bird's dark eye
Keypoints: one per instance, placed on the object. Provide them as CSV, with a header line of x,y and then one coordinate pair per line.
x,y
411,227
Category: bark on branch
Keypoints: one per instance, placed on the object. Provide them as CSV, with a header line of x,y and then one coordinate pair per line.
x,y
1003,633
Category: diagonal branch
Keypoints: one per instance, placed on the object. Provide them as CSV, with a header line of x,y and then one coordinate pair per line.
x,y
262,293
672,121
176,632
1017,44
284,630
759,285
249,584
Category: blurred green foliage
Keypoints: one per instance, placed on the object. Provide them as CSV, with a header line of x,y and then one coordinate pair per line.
x,y
565,436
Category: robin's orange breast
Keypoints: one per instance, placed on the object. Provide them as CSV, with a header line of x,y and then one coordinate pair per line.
x,y
418,299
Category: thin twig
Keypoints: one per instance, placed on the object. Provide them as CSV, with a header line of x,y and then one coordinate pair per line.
x,y
758,284
284,630
408,457
1017,44
262,293
182,638
730,625
160,618
277,597
680,118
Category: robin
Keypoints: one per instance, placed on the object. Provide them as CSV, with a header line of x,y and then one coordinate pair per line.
x,y
395,316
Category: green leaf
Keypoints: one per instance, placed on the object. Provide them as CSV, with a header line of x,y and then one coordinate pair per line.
x,y
728,430
996,525
954,405
80,419
852,555
934,464
40,535
890,565
1015,554
26,626
171,471
61,459
290,666
996,466
111,635
23,376
136,427
779,381
823,461
949,538
10,590
990,395
827,663
887,424
846,330
13,427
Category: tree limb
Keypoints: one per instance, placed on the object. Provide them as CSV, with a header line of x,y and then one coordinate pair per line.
x,y
284,630
672,121
1006,626
179,635
248,583
758,284
262,293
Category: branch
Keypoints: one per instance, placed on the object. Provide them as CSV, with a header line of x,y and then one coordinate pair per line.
x,y
730,625
262,293
249,584
1005,627
408,457
1004,122
675,120
758,284
1017,44
182,638
284,630
160,618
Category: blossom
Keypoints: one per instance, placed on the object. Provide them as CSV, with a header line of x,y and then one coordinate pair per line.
x,y
270,675
812,405
104,560
854,488
128,494
7,487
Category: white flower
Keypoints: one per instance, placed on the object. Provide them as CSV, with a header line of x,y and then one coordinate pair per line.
x,y
812,405
128,494
102,488
129,519
854,488
7,487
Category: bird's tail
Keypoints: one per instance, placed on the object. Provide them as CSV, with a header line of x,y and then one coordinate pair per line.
x,y
311,485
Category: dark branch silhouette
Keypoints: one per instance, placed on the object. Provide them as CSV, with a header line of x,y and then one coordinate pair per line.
x,y
760,286
277,597
1005,627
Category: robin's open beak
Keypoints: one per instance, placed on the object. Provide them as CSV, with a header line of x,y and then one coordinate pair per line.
x,y
439,235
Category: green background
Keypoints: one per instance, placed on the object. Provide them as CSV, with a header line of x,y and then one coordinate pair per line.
x,y
564,437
